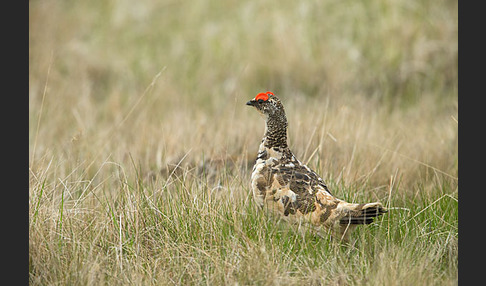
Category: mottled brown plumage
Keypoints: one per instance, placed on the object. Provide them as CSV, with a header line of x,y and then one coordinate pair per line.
x,y
285,186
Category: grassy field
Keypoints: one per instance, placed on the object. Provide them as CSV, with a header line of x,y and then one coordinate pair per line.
x,y
141,146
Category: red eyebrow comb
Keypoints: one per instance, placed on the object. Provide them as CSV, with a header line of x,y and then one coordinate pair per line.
x,y
263,96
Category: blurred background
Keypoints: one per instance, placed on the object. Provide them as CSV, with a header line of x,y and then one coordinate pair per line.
x,y
158,80
141,145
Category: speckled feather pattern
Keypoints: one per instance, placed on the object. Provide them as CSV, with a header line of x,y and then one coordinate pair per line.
x,y
284,186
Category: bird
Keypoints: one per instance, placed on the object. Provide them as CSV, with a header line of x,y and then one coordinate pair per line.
x,y
281,184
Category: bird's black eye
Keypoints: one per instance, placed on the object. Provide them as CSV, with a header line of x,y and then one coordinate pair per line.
x,y
260,100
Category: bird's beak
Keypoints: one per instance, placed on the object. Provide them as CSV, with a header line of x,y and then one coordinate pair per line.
x,y
251,102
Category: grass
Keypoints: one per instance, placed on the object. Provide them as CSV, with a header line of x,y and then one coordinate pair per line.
x,y
141,146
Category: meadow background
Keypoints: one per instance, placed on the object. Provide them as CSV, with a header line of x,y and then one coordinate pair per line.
x,y
141,145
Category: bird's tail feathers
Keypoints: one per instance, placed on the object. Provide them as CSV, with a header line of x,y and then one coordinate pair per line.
x,y
362,213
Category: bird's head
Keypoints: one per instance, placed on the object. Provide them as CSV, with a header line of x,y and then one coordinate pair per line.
x,y
267,104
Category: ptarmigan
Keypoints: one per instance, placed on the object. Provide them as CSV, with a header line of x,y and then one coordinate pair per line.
x,y
285,186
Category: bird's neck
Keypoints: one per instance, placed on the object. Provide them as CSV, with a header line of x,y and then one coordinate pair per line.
x,y
276,133
274,145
